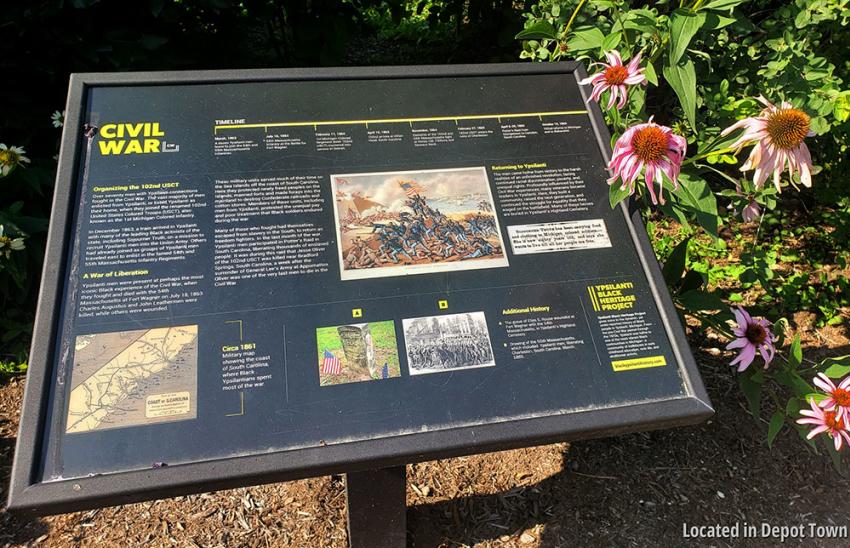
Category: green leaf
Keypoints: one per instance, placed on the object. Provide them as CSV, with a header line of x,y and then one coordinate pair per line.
x,y
816,74
676,212
752,391
642,15
841,107
719,143
696,299
792,408
610,42
794,381
674,266
539,30
722,4
803,432
714,21
640,19
819,125
587,39
776,422
816,397
615,195
684,24
683,79
637,99
692,280
835,456
649,72
795,356
836,368
695,197
802,19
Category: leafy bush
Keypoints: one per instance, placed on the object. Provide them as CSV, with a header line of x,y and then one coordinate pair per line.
x,y
687,86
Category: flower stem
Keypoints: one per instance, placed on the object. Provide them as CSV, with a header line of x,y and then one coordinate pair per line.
x,y
717,326
758,231
573,17
619,16
714,169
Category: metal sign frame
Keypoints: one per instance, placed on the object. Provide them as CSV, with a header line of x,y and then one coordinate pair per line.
x,y
27,493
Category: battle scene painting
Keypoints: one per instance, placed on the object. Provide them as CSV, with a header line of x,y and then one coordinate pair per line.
x,y
416,222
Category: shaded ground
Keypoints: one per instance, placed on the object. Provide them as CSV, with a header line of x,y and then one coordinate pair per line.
x,y
634,490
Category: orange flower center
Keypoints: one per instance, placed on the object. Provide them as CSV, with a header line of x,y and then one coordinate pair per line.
x,y
787,127
841,397
649,143
833,421
756,334
616,75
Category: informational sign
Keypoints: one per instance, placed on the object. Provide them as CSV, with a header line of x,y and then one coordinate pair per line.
x,y
264,275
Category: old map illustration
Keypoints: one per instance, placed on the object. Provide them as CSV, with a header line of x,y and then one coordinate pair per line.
x,y
130,378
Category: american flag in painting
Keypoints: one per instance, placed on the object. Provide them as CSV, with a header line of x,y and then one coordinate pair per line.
x,y
330,364
385,371
410,187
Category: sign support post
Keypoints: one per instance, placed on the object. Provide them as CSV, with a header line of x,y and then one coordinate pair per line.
x,y
376,506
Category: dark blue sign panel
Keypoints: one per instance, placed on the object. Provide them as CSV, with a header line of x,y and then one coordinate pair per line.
x,y
267,275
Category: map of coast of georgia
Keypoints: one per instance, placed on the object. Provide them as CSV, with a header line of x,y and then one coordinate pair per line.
x,y
130,378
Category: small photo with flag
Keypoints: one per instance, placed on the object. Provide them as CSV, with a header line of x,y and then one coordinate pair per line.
x,y
331,365
357,352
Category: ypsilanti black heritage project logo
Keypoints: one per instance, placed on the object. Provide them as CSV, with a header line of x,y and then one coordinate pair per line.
x,y
133,138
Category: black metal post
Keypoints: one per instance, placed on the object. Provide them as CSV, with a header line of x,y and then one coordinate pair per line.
x,y
377,508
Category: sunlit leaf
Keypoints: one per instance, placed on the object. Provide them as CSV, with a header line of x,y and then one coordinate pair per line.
x,y
683,79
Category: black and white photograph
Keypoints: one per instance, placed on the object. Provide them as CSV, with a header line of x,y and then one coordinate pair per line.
x,y
437,344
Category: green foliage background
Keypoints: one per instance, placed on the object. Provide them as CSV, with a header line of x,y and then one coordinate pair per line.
x,y
706,62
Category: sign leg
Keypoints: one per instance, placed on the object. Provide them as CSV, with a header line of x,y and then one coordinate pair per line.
x,y
377,508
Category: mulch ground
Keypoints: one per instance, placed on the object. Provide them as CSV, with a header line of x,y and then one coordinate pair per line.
x,y
633,490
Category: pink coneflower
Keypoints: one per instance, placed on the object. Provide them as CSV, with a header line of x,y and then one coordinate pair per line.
x,y
751,335
751,211
838,399
650,145
615,77
825,421
777,135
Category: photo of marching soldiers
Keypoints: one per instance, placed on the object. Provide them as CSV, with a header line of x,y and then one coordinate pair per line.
x,y
416,222
446,343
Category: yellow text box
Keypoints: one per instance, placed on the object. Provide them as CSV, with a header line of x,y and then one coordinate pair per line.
x,y
638,363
